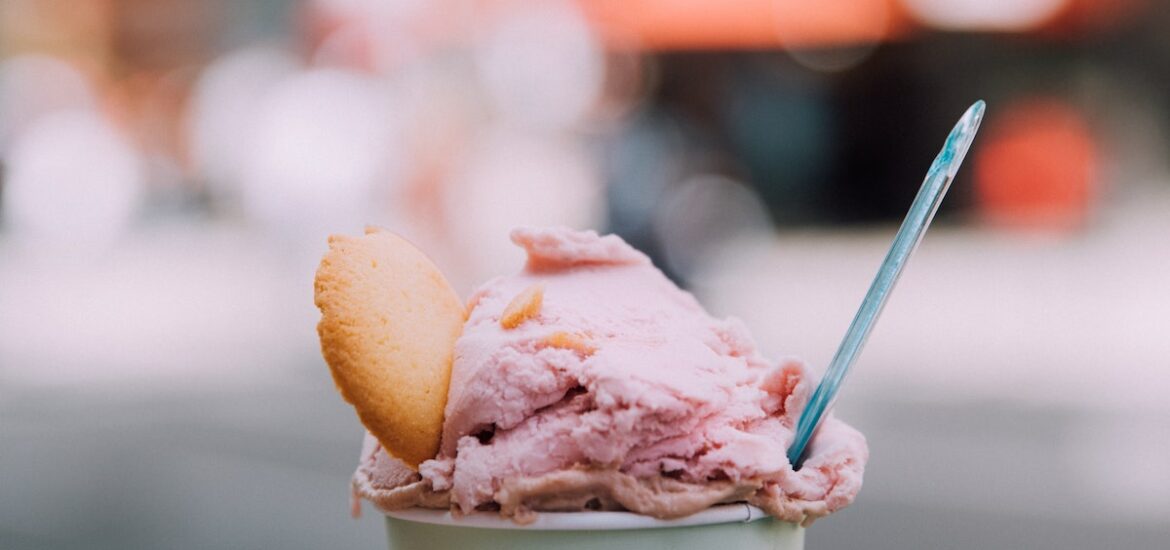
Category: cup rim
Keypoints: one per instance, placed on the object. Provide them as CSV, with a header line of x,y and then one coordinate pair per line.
x,y
738,512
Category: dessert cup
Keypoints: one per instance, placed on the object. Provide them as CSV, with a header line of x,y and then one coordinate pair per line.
x,y
739,526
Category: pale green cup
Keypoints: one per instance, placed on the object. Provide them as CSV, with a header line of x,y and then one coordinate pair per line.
x,y
725,527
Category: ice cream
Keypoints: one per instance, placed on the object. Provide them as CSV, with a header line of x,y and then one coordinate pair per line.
x,y
588,380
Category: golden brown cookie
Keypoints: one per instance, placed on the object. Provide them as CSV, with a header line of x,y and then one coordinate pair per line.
x,y
389,321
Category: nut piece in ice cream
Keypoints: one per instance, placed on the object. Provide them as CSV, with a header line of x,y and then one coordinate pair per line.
x,y
523,307
389,321
570,341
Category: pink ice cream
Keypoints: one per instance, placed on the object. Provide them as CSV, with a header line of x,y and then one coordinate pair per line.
x,y
621,393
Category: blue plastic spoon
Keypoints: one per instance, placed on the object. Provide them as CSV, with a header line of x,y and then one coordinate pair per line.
x,y
922,210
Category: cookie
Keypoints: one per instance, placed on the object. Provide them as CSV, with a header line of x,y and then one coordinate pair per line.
x,y
389,321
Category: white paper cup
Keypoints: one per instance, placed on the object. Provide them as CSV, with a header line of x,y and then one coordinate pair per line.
x,y
725,527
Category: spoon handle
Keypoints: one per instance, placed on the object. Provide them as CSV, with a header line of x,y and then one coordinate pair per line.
x,y
922,210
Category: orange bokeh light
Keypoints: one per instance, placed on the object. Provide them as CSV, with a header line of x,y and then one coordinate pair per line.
x,y
1037,166
701,24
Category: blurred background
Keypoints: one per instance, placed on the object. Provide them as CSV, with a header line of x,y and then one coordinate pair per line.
x,y
169,171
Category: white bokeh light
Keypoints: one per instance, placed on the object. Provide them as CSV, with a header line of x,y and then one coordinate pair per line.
x,y
869,22
513,179
224,112
704,214
32,86
325,139
542,65
991,15
71,178
371,9
374,34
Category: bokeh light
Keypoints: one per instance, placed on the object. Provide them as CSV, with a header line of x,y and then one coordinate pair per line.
x,y
510,179
32,86
707,213
72,180
324,142
373,34
224,113
542,65
1038,166
852,29
990,15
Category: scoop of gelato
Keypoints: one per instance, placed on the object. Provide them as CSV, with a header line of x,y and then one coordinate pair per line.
x,y
590,381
